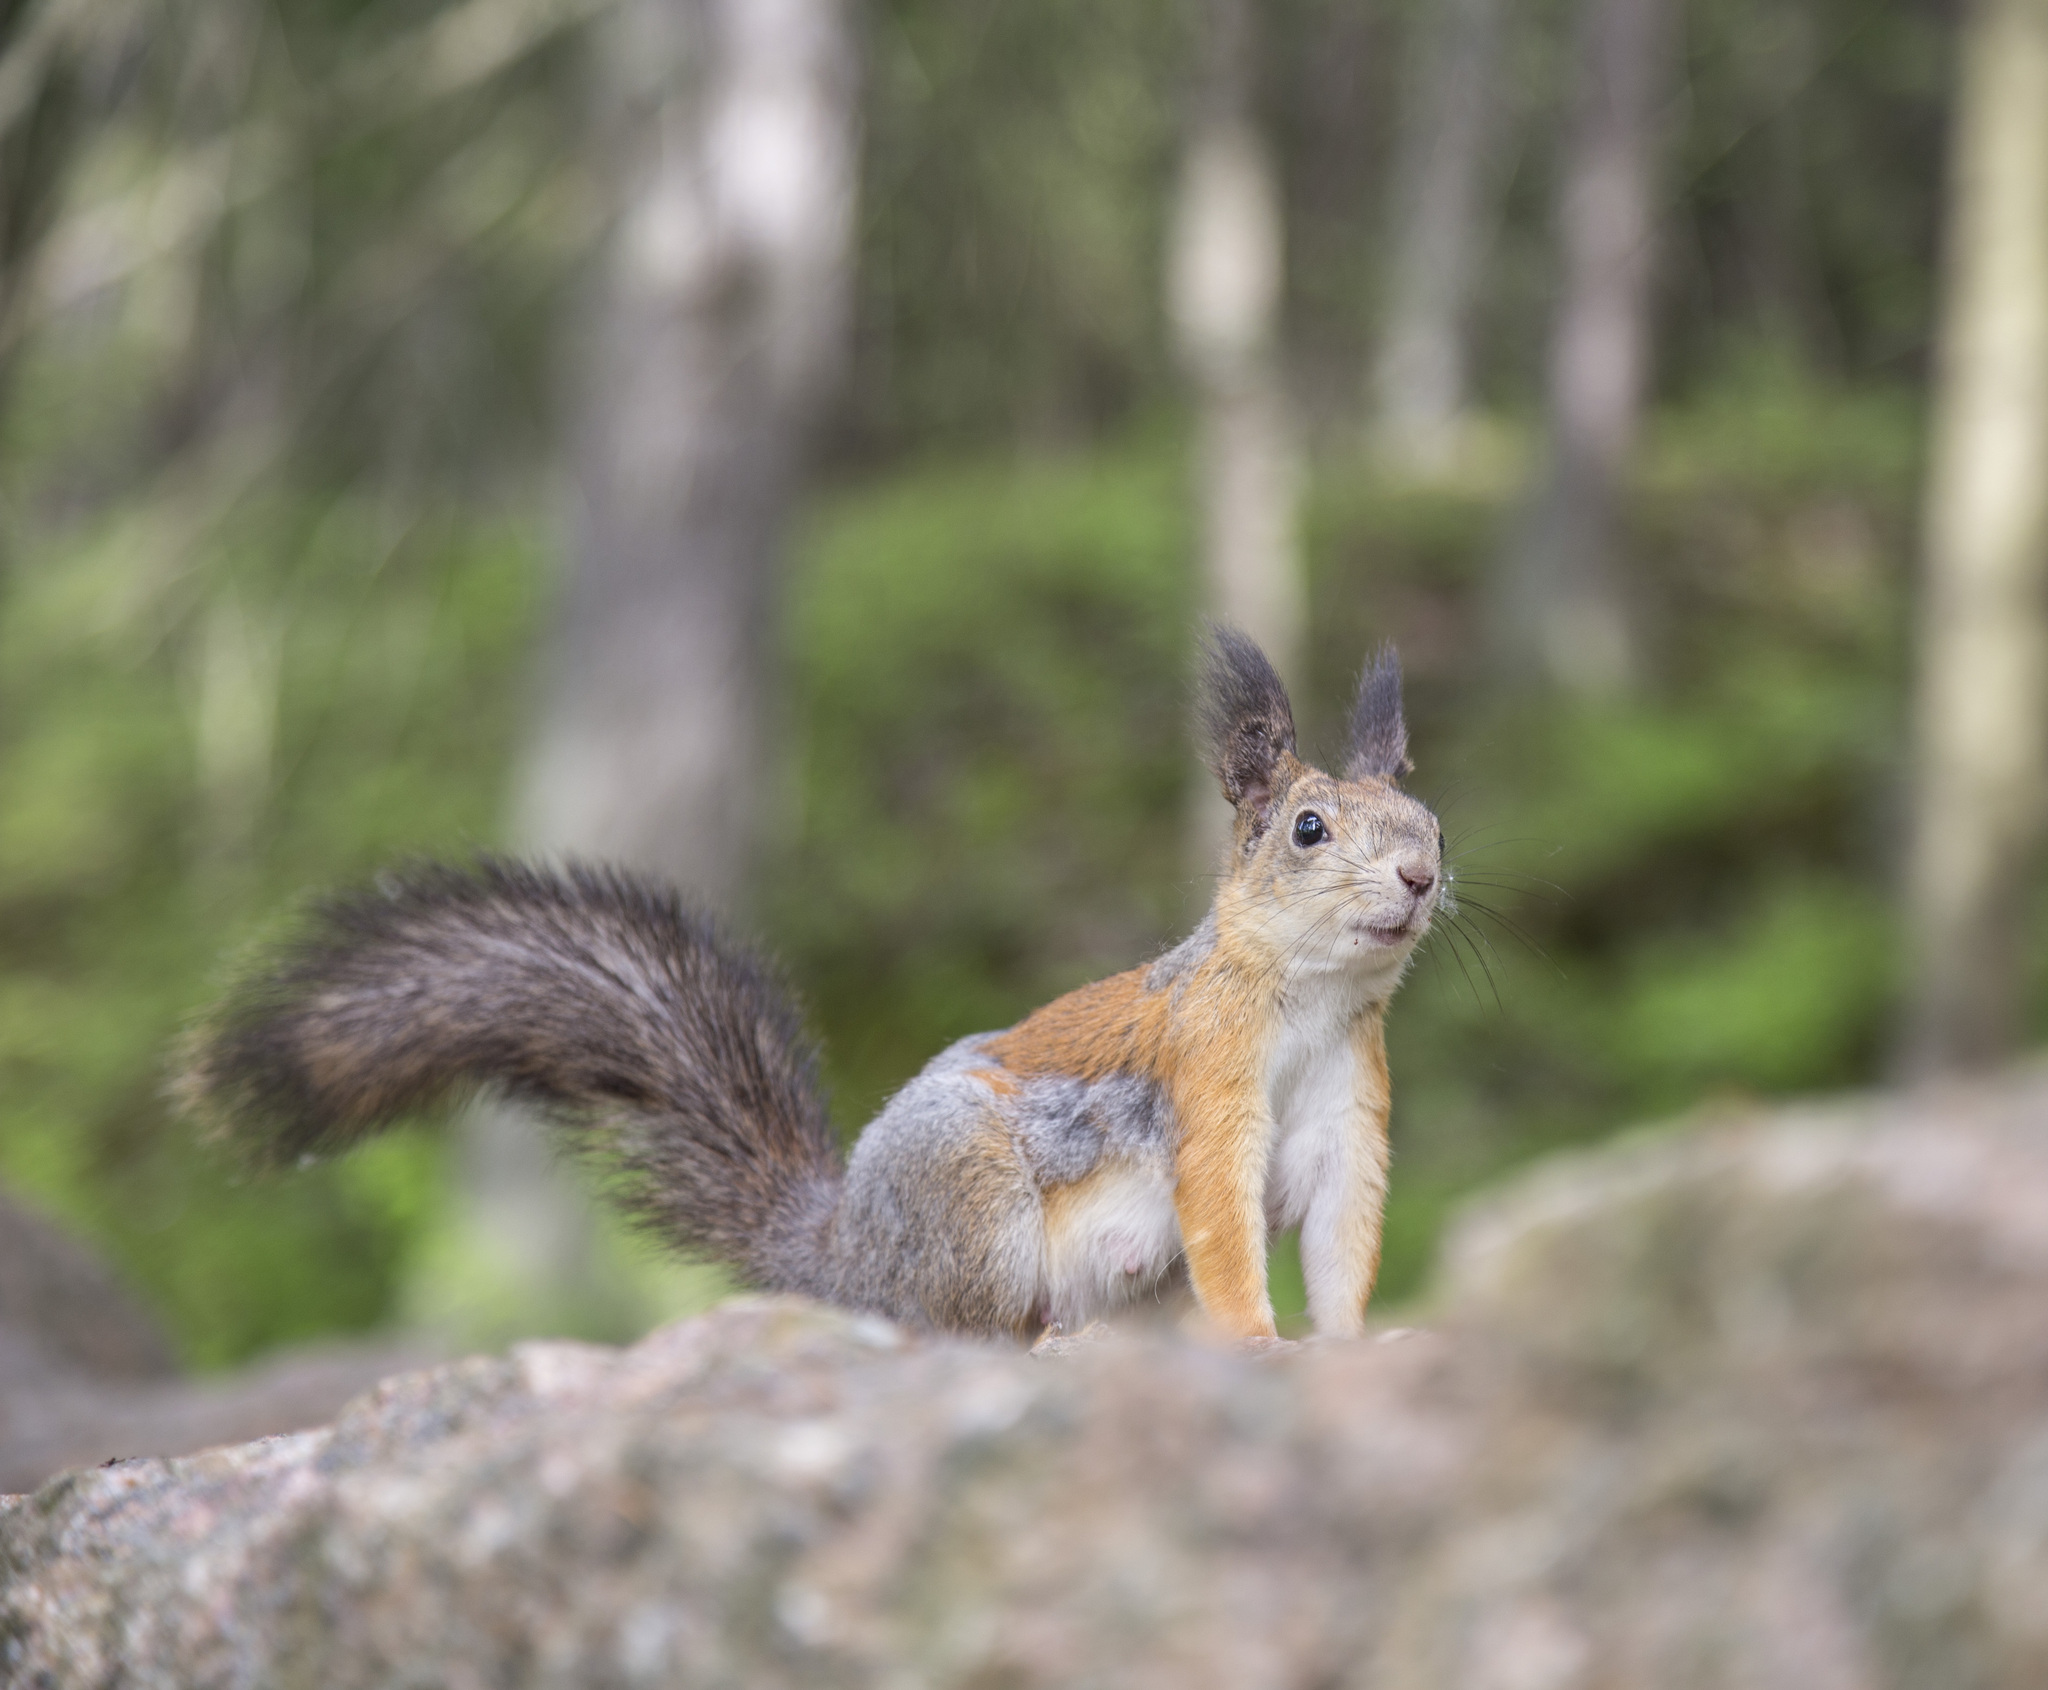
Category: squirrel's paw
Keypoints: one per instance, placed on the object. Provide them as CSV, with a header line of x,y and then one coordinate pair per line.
x,y
1056,1340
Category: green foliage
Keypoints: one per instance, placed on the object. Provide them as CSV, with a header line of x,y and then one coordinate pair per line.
x,y
987,803
185,748
987,687
1016,175
262,627
1807,197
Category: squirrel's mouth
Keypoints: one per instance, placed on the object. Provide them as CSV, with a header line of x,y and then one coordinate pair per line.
x,y
1374,934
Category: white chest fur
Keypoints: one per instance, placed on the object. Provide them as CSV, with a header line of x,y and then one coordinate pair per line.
x,y
1311,1087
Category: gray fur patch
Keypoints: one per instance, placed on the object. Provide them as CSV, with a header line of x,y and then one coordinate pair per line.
x,y
1056,1132
1134,1113
1187,956
1064,1128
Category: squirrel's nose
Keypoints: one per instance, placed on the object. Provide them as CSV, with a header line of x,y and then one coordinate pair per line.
x,y
1417,875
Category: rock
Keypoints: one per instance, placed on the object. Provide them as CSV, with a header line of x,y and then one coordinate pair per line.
x,y
86,1373
1759,1403
61,1311
52,1421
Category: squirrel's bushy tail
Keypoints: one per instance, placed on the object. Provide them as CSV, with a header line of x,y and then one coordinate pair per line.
x,y
670,1056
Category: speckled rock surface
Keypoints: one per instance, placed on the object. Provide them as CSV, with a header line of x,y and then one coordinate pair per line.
x,y
1760,1404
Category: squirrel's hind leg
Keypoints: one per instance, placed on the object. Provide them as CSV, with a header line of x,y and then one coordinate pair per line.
x,y
947,1213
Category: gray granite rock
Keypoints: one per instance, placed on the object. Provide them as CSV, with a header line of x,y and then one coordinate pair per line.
x,y
87,1375
62,1311
1760,1403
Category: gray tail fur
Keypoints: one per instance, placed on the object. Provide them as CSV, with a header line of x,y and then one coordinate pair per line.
x,y
669,1056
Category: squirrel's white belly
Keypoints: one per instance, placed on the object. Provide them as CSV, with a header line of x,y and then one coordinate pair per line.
x,y
1108,1238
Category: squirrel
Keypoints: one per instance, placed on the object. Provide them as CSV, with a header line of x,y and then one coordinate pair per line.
x,y
1026,1180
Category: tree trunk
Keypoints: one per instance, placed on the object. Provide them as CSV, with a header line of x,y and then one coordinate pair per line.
x,y
719,326
1224,278
1443,178
1982,779
1563,613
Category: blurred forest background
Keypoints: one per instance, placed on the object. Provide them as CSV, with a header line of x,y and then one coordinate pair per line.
x,y
793,445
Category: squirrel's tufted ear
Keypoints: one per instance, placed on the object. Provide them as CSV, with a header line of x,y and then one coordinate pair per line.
x,y
1379,733
1247,723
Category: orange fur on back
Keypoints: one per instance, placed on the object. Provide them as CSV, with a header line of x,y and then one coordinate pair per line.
x,y
1114,1026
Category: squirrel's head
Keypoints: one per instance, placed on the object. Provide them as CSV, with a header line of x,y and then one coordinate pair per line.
x,y
1326,872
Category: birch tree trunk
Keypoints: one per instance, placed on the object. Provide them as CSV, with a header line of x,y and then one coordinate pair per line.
x,y
1225,266
1563,613
720,326
1981,790
718,329
1443,179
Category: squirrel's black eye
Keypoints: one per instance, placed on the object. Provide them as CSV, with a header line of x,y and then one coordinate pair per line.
x,y
1309,829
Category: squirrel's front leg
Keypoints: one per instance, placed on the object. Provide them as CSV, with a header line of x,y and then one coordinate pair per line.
x,y
1340,1232
1220,1198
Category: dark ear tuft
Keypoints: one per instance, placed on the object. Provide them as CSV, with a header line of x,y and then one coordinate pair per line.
x,y
1247,723
1379,734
